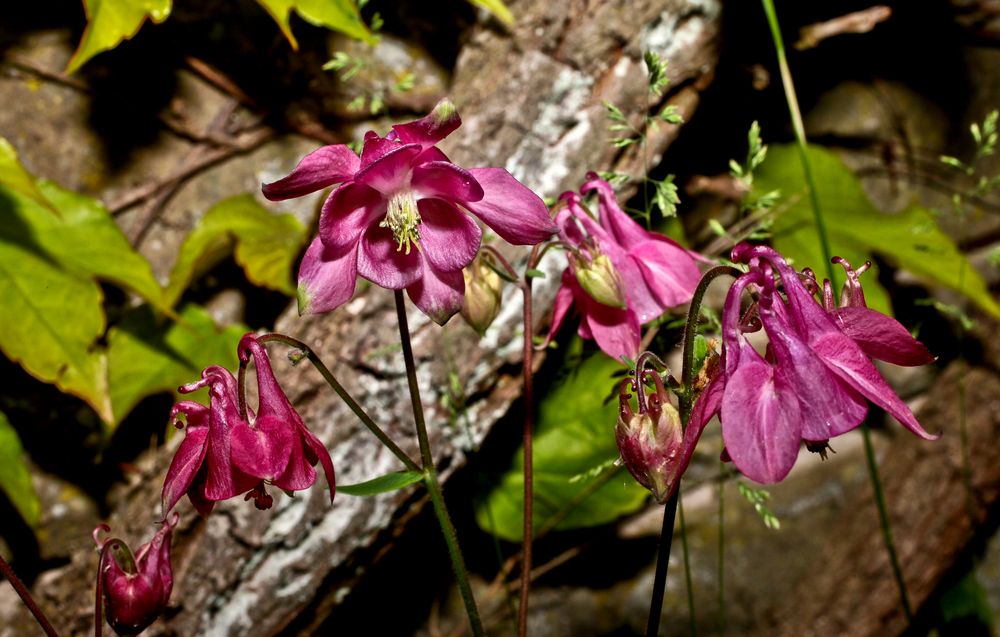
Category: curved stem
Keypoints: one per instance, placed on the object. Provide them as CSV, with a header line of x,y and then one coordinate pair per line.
x,y
29,601
430,473
332,381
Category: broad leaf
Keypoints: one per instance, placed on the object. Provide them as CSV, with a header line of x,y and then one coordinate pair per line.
x,y
910,240
149,355
15,177
15,480
86,240
111,21
339,15
383,484
575,435
497,8
266,245
50,319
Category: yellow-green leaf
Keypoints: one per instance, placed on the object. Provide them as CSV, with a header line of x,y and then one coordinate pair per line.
x,y
14,176
15,480
266,245
497,8
148,354
339,15
575,435
910,239
111,21
50,319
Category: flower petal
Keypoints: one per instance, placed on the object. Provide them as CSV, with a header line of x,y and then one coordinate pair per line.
x,y
709,401
429,130
616,331
513,211
761,422
449,238
445,180
561,305
263,450
375,147
391,171
623,228
381,263
316,451
184,467
438,294
321,168
347,212
670,274
327,279
881,336
299,474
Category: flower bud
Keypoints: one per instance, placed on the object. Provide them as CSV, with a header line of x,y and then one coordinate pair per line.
x,y
601,280
135,588
651,442
483,289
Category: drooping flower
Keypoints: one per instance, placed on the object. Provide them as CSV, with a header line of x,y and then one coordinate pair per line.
x,y
815,380
653,446
397,217
134,589
620,275
224,455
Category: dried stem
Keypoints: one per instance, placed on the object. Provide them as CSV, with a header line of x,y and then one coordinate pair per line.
x,y
26,597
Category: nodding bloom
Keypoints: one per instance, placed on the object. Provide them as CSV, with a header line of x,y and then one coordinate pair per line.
x,y
398,217
816,377
134,589
653,445
620,275
224,455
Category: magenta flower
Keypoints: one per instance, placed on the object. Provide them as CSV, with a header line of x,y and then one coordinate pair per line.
x,y
224,455
816,378
397,217
134,589
651,272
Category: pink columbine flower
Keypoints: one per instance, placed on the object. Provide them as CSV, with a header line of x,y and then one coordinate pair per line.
x,y
224,455
816,378
620,275
134,589
397,216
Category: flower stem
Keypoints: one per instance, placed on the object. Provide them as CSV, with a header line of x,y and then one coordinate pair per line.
x,y
528,462
687,567
686,402
883,518
430,473
722,548
332,381
26,597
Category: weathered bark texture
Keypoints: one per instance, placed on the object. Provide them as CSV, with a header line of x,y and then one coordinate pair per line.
x,y
938,522
531,101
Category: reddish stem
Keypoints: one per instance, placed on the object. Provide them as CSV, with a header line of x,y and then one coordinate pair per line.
x,y
26,597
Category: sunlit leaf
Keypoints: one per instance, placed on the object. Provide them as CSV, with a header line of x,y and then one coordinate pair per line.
x,y
148,354
383,484
339,15
14,176
15,480
575,433
497,8
910,240
266,245
111,21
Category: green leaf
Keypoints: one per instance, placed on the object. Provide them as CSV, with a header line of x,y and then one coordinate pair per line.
x,y
339,15
15,480
111,21
575,433
14,176
266,245
383,484
149,355
85,239
910,239
497,8
50,319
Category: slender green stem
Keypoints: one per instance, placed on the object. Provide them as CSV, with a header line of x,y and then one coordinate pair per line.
x,y
332,381
430,474
722,548
687,567
528,462
883,518
662,561
27,599
800,134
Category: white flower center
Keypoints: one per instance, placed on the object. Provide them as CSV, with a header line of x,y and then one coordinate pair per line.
x,y
403,218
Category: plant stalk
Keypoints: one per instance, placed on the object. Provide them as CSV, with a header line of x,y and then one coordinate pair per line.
x,y
430,474
693,626
528,462
27,599
662,562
